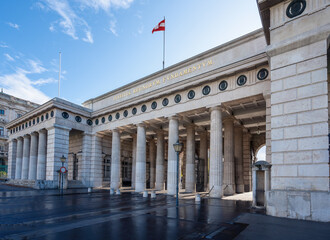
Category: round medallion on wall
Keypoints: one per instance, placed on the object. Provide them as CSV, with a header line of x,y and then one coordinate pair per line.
x,y
117,115
42,118
206,90
134,111
262,74
154,105
52,113
37,119
65,115
125,113
165,102
144,108
89,122
191,94
110,118
78,119
47,115
23,126
241,80
295,8
96,121
103,119
223,85
177,98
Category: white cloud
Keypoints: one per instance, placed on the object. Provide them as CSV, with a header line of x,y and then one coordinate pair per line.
x,y
3,45
9,58
68,16
13,25
113,27
89,37
19,85
43,81
36,67
106,4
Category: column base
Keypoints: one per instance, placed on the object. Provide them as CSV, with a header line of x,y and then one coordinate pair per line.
x,y
216,192
228,190
240,188
140,187
160,186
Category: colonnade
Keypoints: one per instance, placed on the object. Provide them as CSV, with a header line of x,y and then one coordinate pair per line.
x,y
223,173
31,153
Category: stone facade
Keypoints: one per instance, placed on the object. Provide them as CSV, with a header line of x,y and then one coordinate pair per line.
x,y
269,87
10,109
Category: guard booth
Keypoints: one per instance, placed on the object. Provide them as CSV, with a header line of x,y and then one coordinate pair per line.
x,y
260,183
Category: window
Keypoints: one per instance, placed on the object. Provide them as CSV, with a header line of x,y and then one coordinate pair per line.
x,y
2,112
2,131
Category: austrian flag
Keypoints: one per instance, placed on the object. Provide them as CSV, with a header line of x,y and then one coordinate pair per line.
x,y
160,26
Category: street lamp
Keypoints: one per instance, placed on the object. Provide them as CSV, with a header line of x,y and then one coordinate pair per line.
x,y
62,171
178,148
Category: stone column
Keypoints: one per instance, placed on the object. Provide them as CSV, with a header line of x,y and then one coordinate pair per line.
x,y
152,159
57,146
239,158
84,172
140,177
229,164
33,156
173,137
247,161
115,160
216,164
160,161
12,150
133,160
42,151
19,156
96,170
203,155
26,157
190,183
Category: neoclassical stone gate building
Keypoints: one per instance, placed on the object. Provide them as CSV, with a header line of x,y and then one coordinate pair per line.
x,y
267,87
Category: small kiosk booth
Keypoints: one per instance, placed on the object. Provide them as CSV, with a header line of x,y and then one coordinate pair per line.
x,y
260,183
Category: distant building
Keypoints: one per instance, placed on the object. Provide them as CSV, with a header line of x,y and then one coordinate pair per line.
x,y
10,109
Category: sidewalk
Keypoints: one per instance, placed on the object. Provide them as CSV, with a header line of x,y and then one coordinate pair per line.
x,y
274,228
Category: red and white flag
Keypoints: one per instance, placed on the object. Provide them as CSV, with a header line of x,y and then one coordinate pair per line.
x,y
160,26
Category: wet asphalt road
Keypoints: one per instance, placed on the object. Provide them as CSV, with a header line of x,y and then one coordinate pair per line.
x,y
32,214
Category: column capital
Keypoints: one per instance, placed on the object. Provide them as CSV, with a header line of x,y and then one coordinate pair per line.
x,y
115,130
59,126
141,124
174,117
34,134
87,134
215,108
26,136
229,119
20,138
42,131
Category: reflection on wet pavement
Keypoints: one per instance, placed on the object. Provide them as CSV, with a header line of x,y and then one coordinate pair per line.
x,y
98,215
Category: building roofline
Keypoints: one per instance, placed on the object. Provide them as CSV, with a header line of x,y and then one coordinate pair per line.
x,y
53,103
212,51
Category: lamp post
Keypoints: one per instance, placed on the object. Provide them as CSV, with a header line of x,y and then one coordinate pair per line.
x,y
178,148
63,159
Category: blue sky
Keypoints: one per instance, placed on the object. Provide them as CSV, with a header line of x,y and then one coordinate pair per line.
x,y
107,43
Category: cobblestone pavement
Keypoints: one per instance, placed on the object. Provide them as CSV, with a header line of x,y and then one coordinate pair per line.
x,y
37,214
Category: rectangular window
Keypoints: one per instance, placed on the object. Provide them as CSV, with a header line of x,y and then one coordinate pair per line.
x,y
2,112
2,132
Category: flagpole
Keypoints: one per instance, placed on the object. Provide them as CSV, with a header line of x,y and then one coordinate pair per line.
x,y
59,75
164,46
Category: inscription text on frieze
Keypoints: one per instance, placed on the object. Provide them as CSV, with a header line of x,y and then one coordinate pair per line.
x,y
165,79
